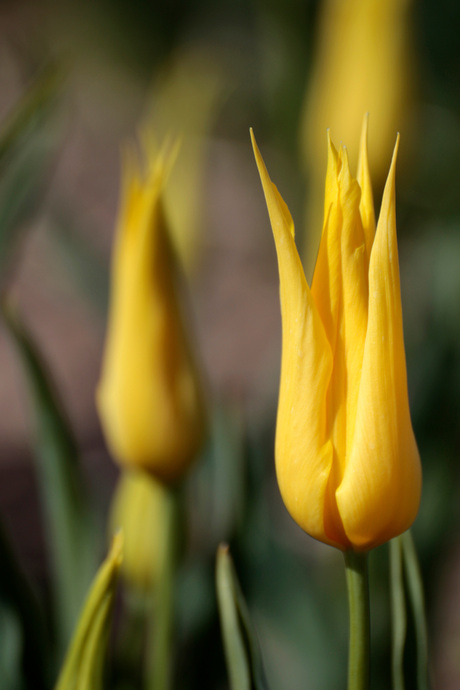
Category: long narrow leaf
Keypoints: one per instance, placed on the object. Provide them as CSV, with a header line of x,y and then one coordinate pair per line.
x,y
18,601
83,664
417,601
242,651
81,261
34,104
28,139
398,613
65,502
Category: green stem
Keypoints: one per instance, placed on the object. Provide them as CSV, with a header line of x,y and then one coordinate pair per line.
x,y
398,613
417,601
159,660
358,602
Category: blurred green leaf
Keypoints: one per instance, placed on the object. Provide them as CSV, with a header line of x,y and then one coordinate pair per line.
x,y
417,601
244,661
10,649
65,502
21,185
31,109
26,141
398,613
218,482
22,626
81,261
84,662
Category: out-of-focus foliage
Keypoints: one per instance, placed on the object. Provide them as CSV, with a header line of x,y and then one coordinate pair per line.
x,y
68,513
242,651
26,651
83,666
27,139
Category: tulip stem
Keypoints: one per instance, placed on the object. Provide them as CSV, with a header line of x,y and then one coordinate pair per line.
x,y
160,642
417,602
358,602
398,613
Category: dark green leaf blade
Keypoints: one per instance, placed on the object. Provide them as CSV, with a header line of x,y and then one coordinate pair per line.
x,y
242,651
19,607
83,665
28,139
69,520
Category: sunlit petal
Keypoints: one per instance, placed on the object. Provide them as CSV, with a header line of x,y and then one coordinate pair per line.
x,y
303,454
380,492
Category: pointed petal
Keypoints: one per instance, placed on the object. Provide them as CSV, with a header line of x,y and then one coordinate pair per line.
x,y
303,456
352,324
332,174
340,293
380,492
366,206
327,275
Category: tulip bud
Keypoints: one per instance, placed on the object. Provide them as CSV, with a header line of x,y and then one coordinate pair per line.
x,y
346,458
149,398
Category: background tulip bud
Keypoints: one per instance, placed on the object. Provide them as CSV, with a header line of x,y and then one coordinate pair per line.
x,y
149,398
362,63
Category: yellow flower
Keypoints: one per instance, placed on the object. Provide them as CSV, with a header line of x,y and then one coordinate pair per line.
x,y
185,98
138,511
148,398
362,63
346,458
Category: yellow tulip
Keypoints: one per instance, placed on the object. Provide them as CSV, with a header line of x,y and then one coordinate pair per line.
x,y
347,462
362,63
185,99
149,398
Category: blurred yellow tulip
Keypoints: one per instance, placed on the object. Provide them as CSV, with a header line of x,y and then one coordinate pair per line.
x,y
149,398
346,458
185,98
362,63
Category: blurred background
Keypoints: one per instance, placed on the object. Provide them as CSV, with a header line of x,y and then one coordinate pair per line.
x,y
77,81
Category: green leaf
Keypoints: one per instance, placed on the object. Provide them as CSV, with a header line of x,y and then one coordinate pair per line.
x,y
417,602
80,260
405,570
22,626
21,185
69,520
398,613
242,651
27,138
10,649
84,663
32,108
